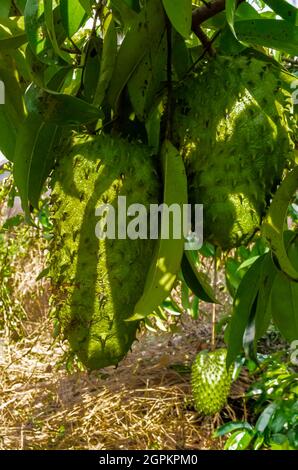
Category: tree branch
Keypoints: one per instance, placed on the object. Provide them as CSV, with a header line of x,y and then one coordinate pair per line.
x,y
206,11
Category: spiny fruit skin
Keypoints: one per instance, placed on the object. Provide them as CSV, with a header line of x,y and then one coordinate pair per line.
x,y
211,382
96,282
232,125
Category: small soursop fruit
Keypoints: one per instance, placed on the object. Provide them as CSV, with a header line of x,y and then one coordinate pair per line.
x,y
211,382
96,283
233,124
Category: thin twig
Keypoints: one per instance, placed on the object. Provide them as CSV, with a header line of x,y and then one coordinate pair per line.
x,y
213,334
206,42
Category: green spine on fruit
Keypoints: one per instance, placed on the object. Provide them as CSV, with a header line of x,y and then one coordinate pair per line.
x,y
234,126
211,382
96,283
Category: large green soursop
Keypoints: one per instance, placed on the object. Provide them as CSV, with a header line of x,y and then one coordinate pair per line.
x,y
211,382
232,122
98,282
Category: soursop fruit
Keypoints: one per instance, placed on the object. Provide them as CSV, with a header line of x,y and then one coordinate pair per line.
x,y
96,283
234,125
211,382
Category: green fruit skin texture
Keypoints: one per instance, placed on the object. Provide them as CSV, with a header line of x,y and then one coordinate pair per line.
x,y
211,382
233,123
96,282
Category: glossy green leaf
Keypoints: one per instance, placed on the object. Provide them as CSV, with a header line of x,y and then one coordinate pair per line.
x,y
284,306
239,440
258,442
73,15
87,5
245,11
91,71
263,312
273,226
148,77
12,109
244,301
275,34
37,32
50,24
108,60
127,14
265,417
59,108
196,280
284,9
231,6
181,56
194,310
12,34
232,426
233,277
34,25
33,158
8,133
179,13
144,30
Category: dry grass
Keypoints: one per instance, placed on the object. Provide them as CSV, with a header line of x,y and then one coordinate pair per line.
x,y
143,404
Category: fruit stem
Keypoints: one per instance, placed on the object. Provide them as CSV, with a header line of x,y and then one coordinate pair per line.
x,y
213,320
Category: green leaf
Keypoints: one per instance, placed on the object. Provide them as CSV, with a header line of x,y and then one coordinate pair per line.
x,y
243,303
181,56
12,112
87,5
60,109
233,277
179,13
8,134
265,417
153,128
91,72
239,440
195,280
275,34
127,15
13,222
273,226
5,8
34,25
73,15
50,24
147,79
258,442
194,310
37,33
144,31
284,306
246,11
232,426
248,262
231,6
33,158
166,260
43,274
12,34
185,297
20,4
108,60
263,312
284,9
